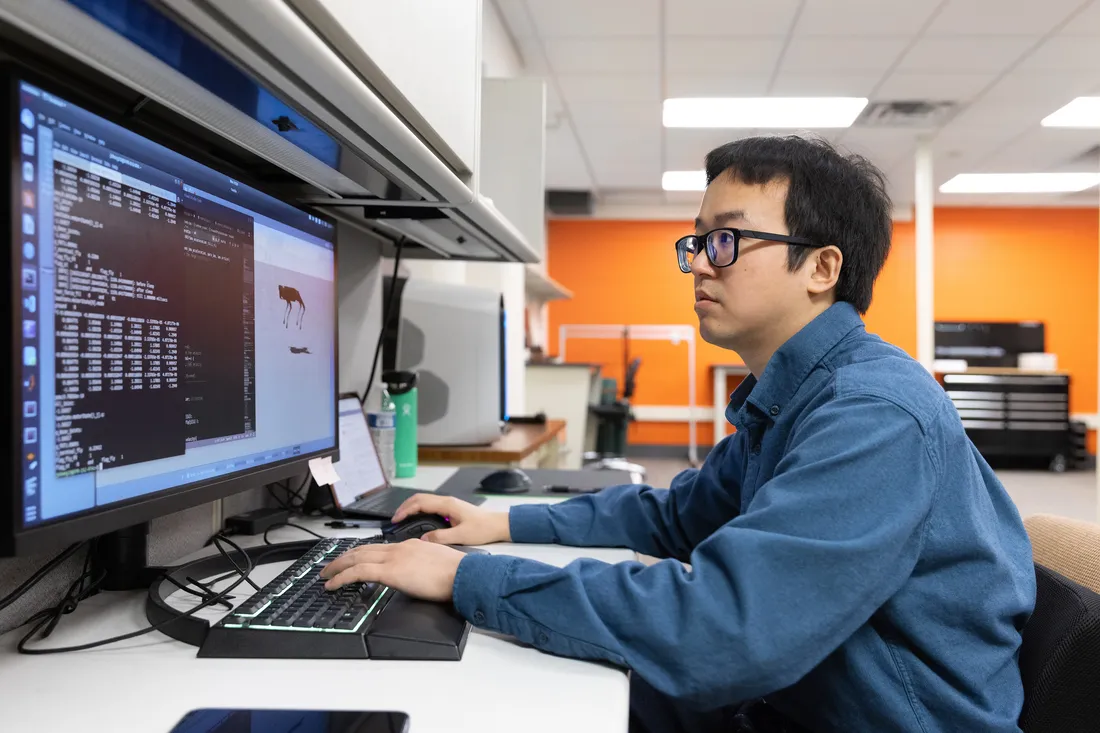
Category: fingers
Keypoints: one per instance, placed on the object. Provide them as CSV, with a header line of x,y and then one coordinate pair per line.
x,y
424,504
442,536
364,554
361,573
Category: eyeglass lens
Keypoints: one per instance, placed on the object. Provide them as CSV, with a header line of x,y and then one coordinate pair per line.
x,y
721,246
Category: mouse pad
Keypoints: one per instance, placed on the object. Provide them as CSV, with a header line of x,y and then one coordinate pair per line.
x,y
464,483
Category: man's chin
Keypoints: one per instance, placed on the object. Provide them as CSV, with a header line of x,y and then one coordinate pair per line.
x,y
712,333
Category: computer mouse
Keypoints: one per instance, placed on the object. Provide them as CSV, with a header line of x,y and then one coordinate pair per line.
x,y
414,527
506,481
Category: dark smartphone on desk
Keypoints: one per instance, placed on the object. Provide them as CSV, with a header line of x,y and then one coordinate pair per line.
x,y
284,721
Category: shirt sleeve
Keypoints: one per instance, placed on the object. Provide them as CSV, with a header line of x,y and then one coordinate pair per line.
x,y
831,537
657,522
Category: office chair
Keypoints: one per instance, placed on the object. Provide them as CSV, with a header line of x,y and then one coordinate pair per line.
x,y
614,419
1061,642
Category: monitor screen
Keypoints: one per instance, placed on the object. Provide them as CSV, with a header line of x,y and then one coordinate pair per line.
x,y
177,326
359,469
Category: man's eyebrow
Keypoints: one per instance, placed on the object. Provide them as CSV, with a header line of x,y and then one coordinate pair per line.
x,y
724,218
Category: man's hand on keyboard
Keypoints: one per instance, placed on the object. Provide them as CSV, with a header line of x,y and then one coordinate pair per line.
x,y
414,567
469,524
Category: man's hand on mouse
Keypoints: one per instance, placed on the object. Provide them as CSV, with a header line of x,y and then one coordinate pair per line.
x,y
469,524
417,568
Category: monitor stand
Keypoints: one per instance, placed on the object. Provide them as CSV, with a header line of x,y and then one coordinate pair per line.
x,y
123,556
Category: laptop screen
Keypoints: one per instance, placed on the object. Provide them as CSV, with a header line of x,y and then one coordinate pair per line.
x,y
359,468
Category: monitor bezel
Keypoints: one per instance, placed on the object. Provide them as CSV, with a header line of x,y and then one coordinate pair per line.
x,y
17,540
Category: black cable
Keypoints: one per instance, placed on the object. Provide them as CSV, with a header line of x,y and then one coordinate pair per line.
x,y
389,311
227,556
295,501
22,646
307,530
42,572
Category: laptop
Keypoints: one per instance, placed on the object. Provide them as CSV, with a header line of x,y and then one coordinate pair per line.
x,y
362,490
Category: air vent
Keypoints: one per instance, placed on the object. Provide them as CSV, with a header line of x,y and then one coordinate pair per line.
x,y
906,114
569,203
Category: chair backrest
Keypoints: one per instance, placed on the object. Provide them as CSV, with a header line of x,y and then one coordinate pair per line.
x,y
1068,546
1060,656
631,378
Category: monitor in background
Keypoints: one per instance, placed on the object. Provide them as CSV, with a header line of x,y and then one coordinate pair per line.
x,y
176,338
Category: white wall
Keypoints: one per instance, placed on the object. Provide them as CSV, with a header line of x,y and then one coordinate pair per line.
x,y
359,295
500,55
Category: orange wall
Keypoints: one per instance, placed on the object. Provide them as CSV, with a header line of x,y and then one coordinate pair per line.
x,y
991,264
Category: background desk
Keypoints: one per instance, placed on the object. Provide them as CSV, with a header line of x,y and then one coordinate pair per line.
x,y
148,683
523,446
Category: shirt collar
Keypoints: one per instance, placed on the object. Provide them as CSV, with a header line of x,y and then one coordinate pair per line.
x,y
794,360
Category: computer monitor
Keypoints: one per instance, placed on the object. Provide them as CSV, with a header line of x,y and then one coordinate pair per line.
x,y
174,329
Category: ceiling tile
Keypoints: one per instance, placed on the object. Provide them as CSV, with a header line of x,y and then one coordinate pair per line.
x,y
717,85
1034,96
852,54
623,115
565,166
863,17
729,17
884,147
584,88
789,84
606,56
601,19
686,149
904,85
1044,149
734,55
1001,17
1064,53
1085,23
965,55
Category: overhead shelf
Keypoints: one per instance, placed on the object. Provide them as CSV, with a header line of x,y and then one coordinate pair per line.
x,y
541,286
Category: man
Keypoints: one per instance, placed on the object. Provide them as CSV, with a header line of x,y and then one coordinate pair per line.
x,y
854,564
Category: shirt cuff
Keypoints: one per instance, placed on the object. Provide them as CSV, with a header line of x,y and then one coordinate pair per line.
x,y
530,523
479,585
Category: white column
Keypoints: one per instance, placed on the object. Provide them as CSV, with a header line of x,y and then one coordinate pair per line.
x,y
924,200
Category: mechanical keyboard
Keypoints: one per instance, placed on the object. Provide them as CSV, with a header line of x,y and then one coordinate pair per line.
x,y
293,616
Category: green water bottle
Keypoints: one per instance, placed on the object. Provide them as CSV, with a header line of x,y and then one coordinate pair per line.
x,y
401,395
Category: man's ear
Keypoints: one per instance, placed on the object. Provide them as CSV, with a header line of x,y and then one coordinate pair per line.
x,y
825,264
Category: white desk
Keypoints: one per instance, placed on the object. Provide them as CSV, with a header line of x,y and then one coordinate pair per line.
x,y
148,683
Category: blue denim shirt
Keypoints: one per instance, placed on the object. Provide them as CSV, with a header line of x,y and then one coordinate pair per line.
x,y
853,559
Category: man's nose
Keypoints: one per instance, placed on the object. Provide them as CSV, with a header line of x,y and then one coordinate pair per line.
x,y
700,266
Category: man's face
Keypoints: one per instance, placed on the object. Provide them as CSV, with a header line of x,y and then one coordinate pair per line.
x,y
738,305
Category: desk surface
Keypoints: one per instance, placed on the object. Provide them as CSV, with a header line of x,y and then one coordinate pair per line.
x,y
520,441
148,683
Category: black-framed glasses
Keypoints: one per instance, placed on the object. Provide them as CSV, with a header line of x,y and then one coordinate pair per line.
x,y
723,245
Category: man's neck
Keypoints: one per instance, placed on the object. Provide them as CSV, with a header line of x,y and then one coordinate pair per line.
x,y
757,354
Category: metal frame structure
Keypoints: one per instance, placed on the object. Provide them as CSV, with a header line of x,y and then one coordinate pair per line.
x,y
676,334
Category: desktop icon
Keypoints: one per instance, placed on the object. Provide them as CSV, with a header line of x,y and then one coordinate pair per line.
x,y
30,356
29,383
31,486
28,172
32,466
30,304
27,118
30,278
30,436
28,144
30,408
30,329
28,224
28,250
28,199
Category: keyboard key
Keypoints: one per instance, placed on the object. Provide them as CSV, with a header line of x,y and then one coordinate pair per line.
x,y
350,620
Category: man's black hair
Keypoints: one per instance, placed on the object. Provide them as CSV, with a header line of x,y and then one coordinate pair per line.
x,y
832,198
